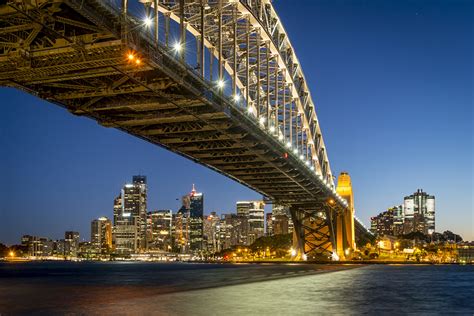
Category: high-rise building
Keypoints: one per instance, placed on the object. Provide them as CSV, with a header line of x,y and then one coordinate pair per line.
x,y
71,243
101,235
129,232
211,232
159,230
282,222
255,213
269,224
387,223
196,216
419,213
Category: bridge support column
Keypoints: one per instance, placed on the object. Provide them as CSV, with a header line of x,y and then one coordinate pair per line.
x,y
298,233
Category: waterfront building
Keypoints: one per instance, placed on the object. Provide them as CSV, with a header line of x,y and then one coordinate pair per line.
x,y
159,230
189,223
211,232
419,213
129,232
254,212
37,246
101,235
283,224
269,224
71,244
388,223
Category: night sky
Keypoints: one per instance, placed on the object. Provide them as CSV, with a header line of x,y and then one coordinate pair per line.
x,y
392,84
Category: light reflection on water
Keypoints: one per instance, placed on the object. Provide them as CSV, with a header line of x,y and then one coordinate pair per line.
x,y
171,289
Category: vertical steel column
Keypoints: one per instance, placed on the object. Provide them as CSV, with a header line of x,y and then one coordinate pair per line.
x,y
267,49
276,95
284,103
234,79
298,232
219,44
203,34
167,29
182,30
258,74
290,113
247,63
124,20
157,24
297,130
211,63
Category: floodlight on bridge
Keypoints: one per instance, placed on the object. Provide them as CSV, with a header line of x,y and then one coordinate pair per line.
x,y
147,21
288,144
236,97
272,129
177,47
261,120
220,83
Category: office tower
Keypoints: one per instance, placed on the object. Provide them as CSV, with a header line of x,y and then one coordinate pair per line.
x,y
129,233
419,213
269,224
282,224
194,204
255,214
71,243
159,230
211,232
101,235
389,222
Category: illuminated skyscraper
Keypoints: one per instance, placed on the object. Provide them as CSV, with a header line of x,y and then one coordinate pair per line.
x,y
71,243
255,213
101,235
129,233
419,213
159,226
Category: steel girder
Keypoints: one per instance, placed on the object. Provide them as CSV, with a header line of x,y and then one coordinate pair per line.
x,y
74,53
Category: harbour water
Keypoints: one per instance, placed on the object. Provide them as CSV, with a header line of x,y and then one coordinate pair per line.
x,y
234,289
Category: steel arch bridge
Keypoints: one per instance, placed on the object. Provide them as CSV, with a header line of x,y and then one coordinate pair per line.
x,y
216,81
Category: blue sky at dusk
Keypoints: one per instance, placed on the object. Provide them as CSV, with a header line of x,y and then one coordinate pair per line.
x,y
392,83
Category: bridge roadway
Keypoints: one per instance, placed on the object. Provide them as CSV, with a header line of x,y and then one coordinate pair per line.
x,y
253,121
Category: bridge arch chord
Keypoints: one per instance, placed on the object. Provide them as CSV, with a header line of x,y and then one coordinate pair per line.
x,y
247,39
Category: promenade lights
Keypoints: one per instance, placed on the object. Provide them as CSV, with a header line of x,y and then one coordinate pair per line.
x,y
334,257
138,61
304,257
292,252
130,57
12,254
237,98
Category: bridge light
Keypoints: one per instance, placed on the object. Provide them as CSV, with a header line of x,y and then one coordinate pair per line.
x,y
312,168
292,252
304,257
261,120
138,61
220,83
177,47
331,201
295,151
272,129
131,57
236,97
250,110
280,137
301,157
334,257
288,144
147,21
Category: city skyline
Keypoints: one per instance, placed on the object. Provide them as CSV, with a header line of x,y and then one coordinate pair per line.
x,y
65,170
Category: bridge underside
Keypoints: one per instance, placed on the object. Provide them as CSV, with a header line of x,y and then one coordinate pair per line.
x,y
71,54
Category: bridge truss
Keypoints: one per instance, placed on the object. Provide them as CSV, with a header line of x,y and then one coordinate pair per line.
x,y
216,81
